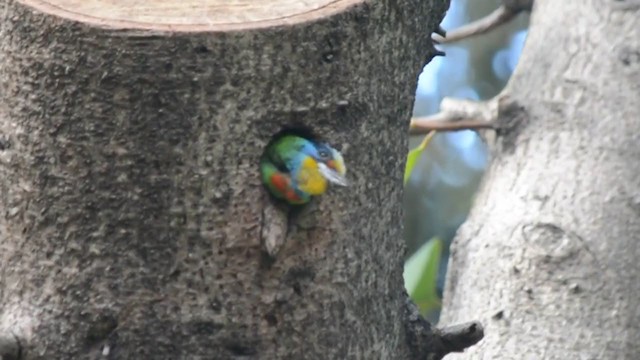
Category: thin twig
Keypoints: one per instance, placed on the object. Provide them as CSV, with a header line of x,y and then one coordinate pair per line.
x,y
502,15
421,127
441,31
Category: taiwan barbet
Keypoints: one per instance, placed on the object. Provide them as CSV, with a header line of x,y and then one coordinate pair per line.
x,y
295,168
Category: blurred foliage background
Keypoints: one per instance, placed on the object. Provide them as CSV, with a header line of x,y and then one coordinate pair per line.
x,y
446,174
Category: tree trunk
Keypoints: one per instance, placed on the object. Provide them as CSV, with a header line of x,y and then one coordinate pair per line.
x,y
550,252
132,218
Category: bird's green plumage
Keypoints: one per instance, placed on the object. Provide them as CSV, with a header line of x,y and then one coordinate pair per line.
x,y
279,162
286,151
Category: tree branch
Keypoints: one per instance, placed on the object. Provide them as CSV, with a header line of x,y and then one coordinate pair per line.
x,y
428,342
458,337
458,114
502,15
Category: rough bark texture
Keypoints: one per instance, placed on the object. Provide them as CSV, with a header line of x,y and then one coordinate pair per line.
x,y
130,203
549,256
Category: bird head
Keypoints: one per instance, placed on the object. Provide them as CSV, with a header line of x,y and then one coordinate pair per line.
x,y
321,164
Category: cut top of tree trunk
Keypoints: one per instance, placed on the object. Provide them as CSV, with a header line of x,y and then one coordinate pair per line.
x,y
191,15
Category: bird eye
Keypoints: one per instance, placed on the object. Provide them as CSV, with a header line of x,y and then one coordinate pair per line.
x,y
323,154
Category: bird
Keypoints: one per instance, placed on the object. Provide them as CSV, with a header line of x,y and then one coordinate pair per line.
x,y
295,168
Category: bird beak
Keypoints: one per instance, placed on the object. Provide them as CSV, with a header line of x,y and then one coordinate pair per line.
x,y
332,175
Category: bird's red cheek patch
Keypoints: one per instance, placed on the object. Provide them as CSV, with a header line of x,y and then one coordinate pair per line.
x,y
331,164
280,182
292,196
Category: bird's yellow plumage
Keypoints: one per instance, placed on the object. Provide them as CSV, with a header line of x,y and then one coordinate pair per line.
x,y
309,178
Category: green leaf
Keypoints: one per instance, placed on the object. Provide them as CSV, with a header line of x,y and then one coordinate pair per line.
x,y
421,275
414,154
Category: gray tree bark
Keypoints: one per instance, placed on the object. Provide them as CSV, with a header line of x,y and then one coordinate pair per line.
x,y
132,218
549,256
